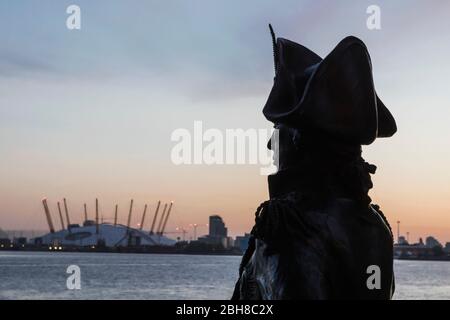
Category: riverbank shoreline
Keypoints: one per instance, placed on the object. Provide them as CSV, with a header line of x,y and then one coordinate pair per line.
x,y
141,250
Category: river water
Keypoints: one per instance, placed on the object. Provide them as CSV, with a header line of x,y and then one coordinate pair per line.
x,y
43,275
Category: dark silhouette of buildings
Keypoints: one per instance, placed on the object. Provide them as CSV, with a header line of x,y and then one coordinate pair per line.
x,y
217,227
218,233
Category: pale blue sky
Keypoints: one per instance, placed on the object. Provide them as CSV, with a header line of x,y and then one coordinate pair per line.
x,y
90,112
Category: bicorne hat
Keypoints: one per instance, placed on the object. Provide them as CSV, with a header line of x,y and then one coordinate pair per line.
x,y
333,96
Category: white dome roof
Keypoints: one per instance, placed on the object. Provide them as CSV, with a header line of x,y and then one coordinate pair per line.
x,y
112,235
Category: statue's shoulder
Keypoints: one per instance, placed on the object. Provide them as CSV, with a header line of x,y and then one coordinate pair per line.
x,y
381,218
347,217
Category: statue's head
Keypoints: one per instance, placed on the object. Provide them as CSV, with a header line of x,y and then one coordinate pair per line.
x,y
331,97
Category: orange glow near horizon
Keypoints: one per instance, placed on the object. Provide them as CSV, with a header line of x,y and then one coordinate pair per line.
x,y
233,192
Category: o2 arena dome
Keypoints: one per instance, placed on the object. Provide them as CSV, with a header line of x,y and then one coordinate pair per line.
x,y
93,233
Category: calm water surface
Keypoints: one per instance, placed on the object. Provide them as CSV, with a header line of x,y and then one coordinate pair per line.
x,y
42,275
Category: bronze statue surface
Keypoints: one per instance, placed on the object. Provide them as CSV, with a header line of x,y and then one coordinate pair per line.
x,y
319,236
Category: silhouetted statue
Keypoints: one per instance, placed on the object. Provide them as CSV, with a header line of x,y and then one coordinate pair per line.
x,y
319,236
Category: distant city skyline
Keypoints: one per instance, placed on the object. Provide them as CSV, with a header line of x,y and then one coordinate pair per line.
x,y
202,229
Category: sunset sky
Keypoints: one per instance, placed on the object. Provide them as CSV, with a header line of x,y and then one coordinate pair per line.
x,y
89,113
